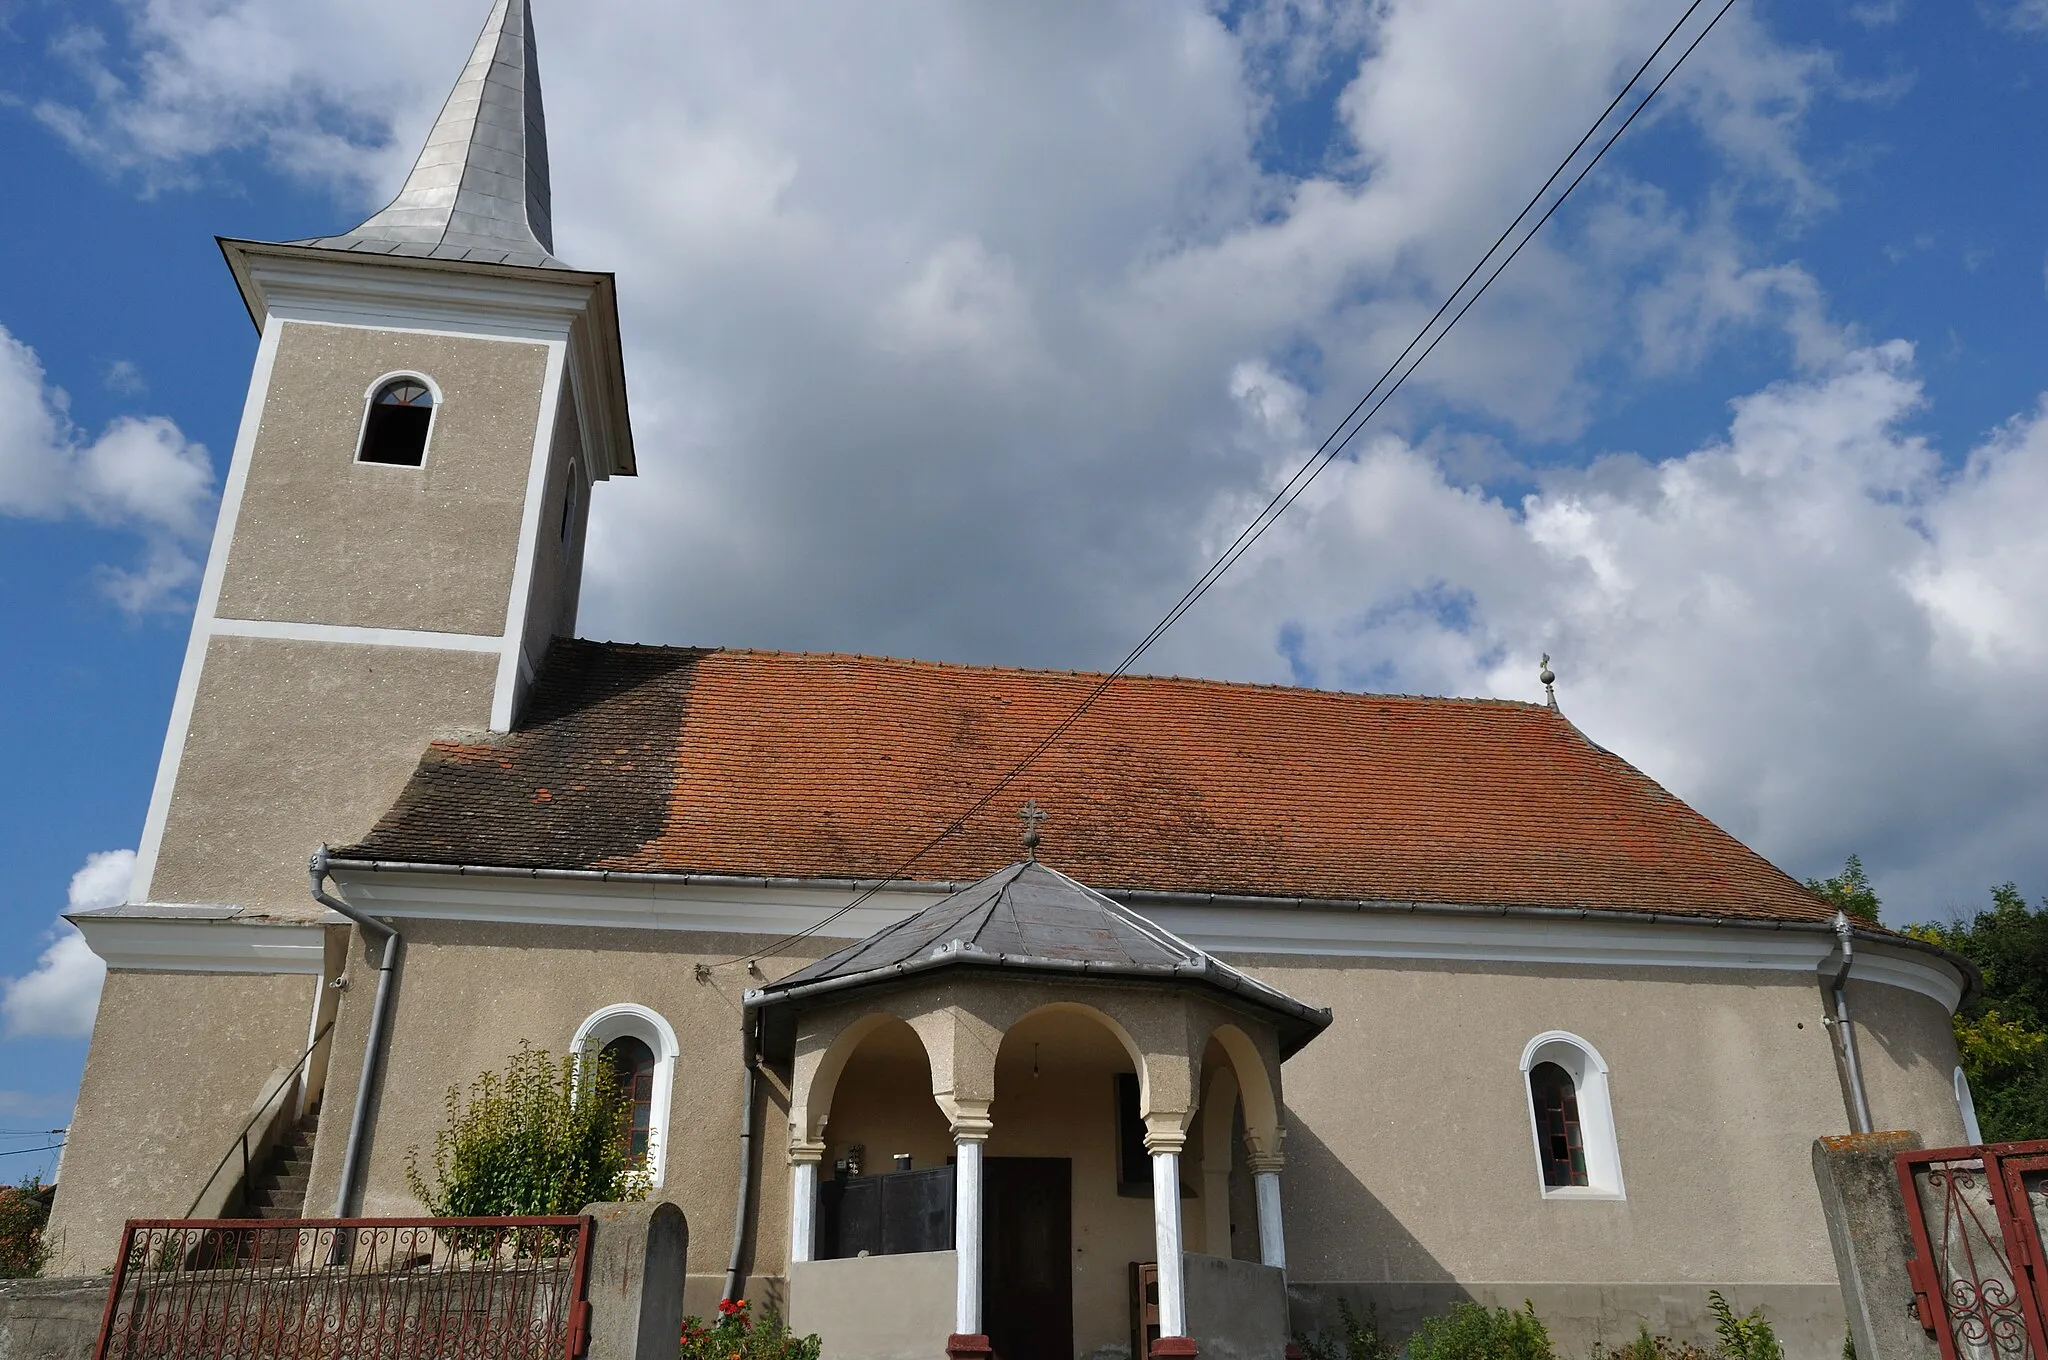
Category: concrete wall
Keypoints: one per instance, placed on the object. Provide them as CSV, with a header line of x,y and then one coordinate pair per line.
x,y
178,1061
51,1319
323,538
468,993
1237,1310
1409,1153
876,1307
294,743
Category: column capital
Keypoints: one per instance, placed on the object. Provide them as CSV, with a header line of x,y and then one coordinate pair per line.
x,y
970,1121
1165,1140
1265,1163
806,1154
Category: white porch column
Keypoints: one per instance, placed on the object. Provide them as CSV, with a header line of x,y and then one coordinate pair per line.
x,y
803,1200
970,1130
1173,1295
1272,1237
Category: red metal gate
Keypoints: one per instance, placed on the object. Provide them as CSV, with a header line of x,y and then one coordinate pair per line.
x,y
1979,1218
329,1289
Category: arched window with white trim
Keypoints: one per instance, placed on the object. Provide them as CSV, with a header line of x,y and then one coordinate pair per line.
x,y
398,418
1966,1106
643,1050
1564,1084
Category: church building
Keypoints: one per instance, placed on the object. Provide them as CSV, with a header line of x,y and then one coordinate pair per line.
x,y
1240,1001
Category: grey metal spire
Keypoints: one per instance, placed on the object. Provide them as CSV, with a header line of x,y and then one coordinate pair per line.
x,y
479,190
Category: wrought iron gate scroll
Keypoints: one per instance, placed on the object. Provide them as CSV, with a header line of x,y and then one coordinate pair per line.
x,y
1978,1218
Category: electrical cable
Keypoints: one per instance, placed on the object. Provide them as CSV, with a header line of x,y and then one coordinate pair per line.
x,y
15,1152
1326,453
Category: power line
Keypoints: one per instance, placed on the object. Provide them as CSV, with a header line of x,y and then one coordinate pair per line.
x,y
1326,452
16,1152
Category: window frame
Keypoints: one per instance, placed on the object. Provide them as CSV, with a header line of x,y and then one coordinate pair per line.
x,y
1588,1072
629,1018
370,400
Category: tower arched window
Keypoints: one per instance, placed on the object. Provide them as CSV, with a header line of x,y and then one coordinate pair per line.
x,y
643,1051
400,417
1565,1085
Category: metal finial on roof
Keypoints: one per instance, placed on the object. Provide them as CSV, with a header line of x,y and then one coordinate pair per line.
x,y
1549,679
1031,814
479,190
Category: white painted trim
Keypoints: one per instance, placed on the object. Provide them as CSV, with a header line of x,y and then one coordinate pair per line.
x,y
171,945
360,637
1588,1071
360,290
650,1028
519,605
784,909
180,724
1966,1106
433,417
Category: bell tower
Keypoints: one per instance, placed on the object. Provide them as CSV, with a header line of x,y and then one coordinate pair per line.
x,y
402,526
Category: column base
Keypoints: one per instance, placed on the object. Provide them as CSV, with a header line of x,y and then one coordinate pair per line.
x,y
1295,1352
961,1346
1173,1348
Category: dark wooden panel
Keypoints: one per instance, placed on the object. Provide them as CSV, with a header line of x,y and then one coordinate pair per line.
x,y
1028,1259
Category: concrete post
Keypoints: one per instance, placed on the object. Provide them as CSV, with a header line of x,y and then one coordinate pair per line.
x,y
635,1287
1859,1194
1272,1235
971,1128
1173,1297
803,1200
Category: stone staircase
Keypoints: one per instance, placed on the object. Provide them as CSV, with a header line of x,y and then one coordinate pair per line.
x,y
277,1186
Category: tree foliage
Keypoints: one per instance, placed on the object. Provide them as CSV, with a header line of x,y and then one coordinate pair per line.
x,y
2003,1034
544,1137
1849,891
24,1217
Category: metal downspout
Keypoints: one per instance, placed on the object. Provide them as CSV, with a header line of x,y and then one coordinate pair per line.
x,y
373,1046
750,1090
1845,935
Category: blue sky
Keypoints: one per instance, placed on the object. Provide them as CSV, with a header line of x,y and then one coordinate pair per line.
x,y
1113,268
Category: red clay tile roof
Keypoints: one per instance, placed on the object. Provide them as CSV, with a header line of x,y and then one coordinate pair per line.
x,y
778,764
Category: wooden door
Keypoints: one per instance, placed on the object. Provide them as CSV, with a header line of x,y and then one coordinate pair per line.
x,y
1027,1278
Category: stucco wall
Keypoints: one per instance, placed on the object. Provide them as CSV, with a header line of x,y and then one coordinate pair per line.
x,y
295,743
323,538
1908,1049
876,1307
468,993
557,563
1409,1152
178,1062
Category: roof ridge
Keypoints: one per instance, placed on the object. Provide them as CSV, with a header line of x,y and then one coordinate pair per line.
x,y
990,668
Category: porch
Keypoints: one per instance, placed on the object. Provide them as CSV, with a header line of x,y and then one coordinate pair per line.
x,y
1021,1122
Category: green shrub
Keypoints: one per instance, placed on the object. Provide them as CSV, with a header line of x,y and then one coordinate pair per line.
x,y
1361,1338
735,1335
1748,1337
545,1136
24,1214
1648,1347
1472,1332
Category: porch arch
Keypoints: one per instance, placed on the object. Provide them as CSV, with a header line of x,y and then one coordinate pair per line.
x,y
1262,1128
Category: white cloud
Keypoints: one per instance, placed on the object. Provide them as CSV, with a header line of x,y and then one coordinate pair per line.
x,y
60,997
139,474
124,377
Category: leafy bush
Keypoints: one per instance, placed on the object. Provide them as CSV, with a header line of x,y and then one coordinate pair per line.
x,y
546,1136
1361,1338
24,1213
1648,1347
1748,1337
1472,1332
735,1335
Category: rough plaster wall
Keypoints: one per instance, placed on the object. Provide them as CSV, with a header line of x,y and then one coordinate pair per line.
x,y
295,743
178,1063
557,565
1908,1050
322,538
468,993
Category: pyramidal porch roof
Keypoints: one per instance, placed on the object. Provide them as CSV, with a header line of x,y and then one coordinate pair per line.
x,y
1031,918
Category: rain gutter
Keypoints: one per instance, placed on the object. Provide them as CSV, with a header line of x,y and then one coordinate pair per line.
x,y
380,1010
